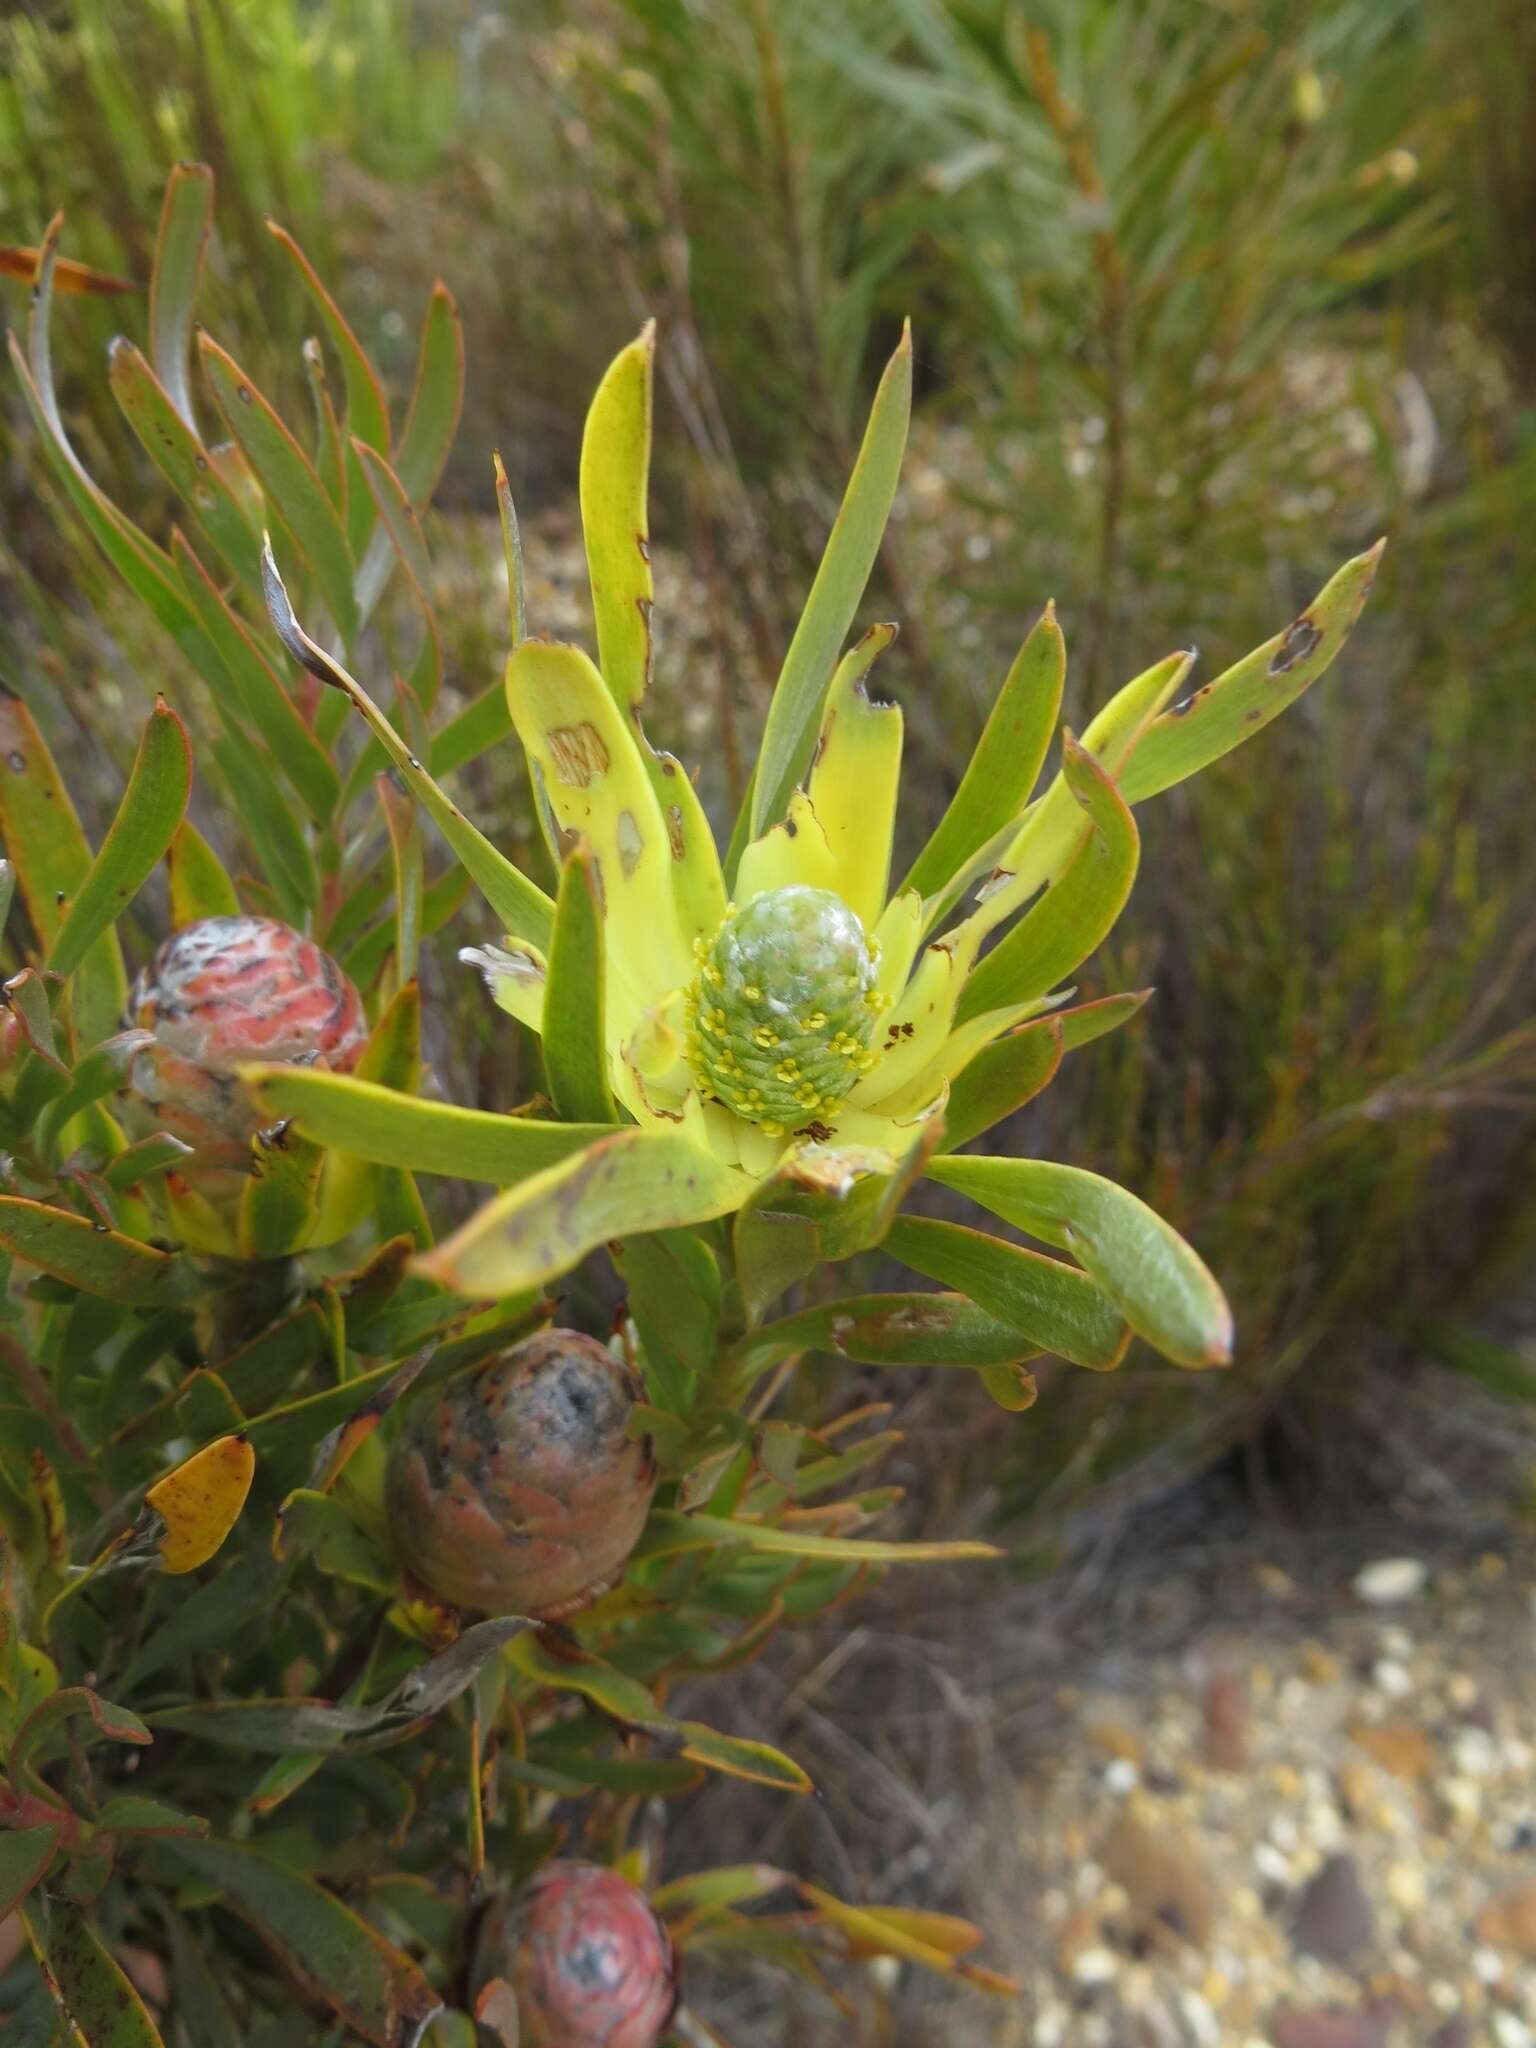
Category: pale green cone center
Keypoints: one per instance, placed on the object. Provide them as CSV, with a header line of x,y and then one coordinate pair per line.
x,y
783,1009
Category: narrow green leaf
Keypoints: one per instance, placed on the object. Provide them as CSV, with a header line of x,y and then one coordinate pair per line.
x,y
615,467
287,476
334,1955
1000,1079
758,1762
1053,828
294,749
410,879
574,1032
627,1181
144,567
436,401
1057,1308
402,1130
367,411
391,1059
525,911
1006,764
1161,1286
888,1329
198,883
795,713
100,1262
185,219
1085,1022
51,857
1219,717
330,457
273,828
130,1813
182,459
73,1703
1079,908
797,1542
512,551
90,1990
152,807
401,533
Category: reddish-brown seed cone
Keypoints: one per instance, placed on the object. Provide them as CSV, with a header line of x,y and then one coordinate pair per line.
x,y
589,1962
516,1488
222,992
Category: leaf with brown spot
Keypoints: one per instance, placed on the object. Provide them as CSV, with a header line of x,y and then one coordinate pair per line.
x,y
90,1989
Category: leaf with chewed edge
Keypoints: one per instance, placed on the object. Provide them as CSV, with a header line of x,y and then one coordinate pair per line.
x,y
1222,714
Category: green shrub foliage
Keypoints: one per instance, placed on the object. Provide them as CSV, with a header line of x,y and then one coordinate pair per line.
x,y
341,1582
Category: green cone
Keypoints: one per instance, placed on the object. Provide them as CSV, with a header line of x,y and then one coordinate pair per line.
x,y
784,1008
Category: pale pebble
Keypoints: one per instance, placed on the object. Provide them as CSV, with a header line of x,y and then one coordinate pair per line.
x,y
1390,1579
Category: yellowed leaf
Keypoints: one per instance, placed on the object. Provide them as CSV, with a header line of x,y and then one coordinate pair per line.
x,y
934,1941
200,1501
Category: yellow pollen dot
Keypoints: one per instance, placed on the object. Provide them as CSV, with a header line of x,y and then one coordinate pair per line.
x,y
766,1037
752,992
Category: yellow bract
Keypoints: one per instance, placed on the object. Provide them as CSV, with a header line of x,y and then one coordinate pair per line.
x,y
200,1502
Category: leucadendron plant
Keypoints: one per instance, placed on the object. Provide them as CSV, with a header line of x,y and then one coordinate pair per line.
x,y
755,1052
347,1590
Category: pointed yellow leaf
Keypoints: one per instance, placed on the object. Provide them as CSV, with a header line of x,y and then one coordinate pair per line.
x,y
855,776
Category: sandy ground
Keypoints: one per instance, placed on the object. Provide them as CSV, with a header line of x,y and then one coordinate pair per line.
x,y
1310,1838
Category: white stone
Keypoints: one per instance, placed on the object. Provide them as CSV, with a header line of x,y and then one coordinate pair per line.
x,y
1269,1862
1510,2031
1391,1678
1475,1753
1389,1580
1200,2019
1094,1966
1121,1776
